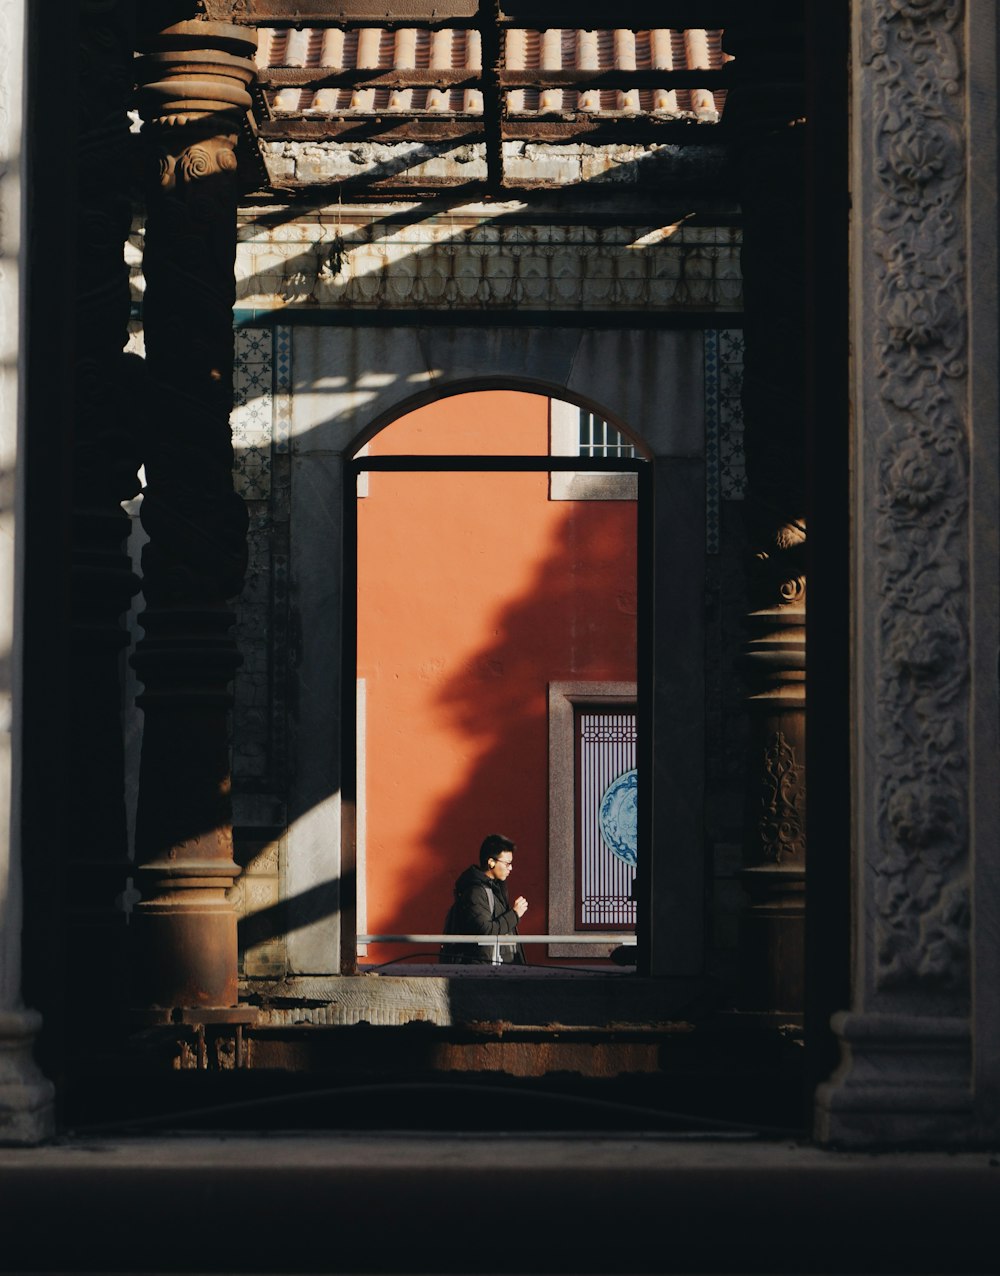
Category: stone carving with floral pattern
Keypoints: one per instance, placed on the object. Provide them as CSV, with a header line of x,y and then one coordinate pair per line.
x,y
921,509
782,828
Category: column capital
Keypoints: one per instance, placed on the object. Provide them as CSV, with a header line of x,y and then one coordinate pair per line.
x,y
195,70
193,96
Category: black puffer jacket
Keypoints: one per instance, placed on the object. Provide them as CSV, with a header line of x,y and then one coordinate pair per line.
x,y
481,907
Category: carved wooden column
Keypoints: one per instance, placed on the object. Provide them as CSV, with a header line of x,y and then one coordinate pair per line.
x,y
765,118
920,1054
193,99
109,403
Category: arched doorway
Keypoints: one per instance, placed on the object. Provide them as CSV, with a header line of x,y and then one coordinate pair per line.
x,y
497,669
648,381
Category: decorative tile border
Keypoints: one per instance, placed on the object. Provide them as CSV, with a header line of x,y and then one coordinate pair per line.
x,y
279,655
261,413
732,464
725,468
282,386
253,411
712,491
252,428
472,261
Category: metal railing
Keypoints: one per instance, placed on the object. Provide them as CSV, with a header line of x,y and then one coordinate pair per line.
x,y
495,942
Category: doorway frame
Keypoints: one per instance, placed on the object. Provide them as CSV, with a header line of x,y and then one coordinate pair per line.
x,y
353,380
639,692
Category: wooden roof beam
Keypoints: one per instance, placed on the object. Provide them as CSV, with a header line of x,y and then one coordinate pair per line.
x,y
494,102
463,78
401,126
536,14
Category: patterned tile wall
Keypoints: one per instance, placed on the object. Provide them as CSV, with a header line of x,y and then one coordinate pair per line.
x,y
253,411
725,613
253,371
725,470
472,261
262,387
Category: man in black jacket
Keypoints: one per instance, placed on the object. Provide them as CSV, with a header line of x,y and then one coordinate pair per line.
x,y
482,906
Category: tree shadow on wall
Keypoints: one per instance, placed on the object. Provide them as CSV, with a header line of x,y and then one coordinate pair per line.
x,y
575,621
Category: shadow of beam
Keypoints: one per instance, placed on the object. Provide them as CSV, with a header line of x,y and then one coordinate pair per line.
x,y
294,913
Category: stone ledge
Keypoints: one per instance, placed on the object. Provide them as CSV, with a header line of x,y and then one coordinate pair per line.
x,y
465,996
582,1205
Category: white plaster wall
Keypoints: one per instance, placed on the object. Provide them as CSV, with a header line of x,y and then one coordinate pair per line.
x,y
25,1097
349,382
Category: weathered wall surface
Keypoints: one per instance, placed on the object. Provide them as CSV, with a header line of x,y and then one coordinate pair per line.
x,y
567,164
489,257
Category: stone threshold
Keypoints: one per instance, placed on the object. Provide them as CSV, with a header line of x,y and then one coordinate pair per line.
x,y
398,1204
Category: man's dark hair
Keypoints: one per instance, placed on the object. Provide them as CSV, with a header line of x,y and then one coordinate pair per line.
x,y
492,845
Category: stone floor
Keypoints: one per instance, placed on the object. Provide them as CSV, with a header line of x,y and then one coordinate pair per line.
x,y
521,1205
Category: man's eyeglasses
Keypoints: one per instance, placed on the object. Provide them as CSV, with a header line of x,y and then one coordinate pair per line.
x,y
508,864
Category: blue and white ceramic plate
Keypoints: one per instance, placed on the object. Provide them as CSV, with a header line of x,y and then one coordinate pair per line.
x,y
619,817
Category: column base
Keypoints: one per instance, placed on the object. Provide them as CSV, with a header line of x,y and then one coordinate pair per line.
x,y
904,1081
184,936
27,1111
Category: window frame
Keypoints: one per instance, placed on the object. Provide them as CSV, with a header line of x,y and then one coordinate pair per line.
x,y
564,700
352,788
596,711
582,485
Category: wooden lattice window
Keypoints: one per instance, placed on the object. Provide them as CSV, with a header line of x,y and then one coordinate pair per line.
x,y
606,824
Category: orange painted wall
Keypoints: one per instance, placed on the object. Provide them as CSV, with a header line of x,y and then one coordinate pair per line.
x,y
475,591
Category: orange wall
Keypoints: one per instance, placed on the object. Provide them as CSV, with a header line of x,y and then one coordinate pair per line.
x,y
474,592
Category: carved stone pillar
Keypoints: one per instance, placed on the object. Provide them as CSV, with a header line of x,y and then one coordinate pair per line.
x,y
765,118
193,99
920,1059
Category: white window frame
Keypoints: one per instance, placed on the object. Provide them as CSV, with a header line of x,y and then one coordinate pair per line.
x,y
564,697
361,814
569,485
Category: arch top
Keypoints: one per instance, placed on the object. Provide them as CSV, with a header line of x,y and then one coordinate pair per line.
x,y
352,382
437,393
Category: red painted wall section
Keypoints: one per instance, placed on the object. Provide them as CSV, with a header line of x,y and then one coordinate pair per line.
x,y
475,591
